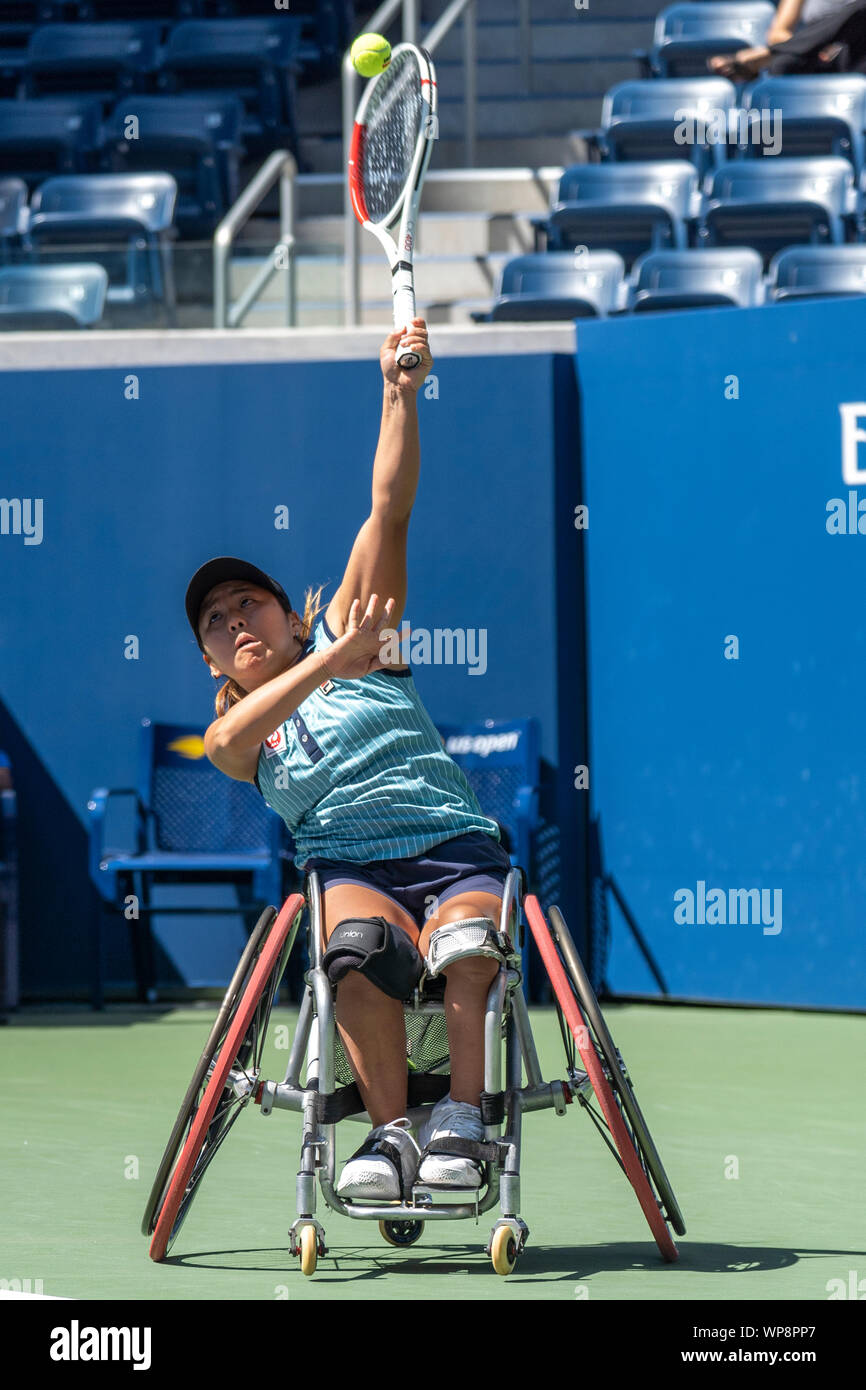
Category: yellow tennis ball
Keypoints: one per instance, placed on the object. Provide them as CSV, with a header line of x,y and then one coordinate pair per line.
x,y
370,54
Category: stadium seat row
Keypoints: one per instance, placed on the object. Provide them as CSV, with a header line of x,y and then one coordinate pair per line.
x,y
196,139
123,222
560,285
652,205
257,60
703,120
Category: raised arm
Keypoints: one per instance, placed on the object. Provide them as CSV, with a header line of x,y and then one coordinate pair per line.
x,y
377,564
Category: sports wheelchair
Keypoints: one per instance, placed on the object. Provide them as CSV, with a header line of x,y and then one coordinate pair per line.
x,y
319,1084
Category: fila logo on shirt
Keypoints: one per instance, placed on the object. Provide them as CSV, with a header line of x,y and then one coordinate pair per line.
x,y
275,743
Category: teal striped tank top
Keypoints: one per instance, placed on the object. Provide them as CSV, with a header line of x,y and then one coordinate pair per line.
x,y
359,773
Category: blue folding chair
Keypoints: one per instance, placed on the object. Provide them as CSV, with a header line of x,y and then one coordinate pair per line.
x,y
820,113
87,217
628,208
697,279
501,761
686,35
254,59
56,297
54,136
816,272
657,120
193,825
770,203
195,139
102,59
555,285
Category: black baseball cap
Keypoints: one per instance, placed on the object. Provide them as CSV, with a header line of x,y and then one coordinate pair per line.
x,y
217,571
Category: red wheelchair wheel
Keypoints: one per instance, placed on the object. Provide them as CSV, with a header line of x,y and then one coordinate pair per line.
x,y
231,1076
578,1007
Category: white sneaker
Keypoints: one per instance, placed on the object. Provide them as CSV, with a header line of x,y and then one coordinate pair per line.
x,y
451,1119
384,1168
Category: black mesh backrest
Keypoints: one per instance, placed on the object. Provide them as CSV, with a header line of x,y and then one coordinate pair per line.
x,y
199,809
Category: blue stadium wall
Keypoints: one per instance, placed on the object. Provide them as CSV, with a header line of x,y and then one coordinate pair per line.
x,y
142,480
725,623
727,633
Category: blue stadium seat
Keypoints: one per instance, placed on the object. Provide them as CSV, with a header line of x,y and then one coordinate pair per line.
x,y
811,272
628,208
53,136
196,139
255,59
329,25
87,217
647,120
91,11
821,113
102,59
686,35
557,285
691,279
193,824
771,203
14,39
30,11
56,297
13,214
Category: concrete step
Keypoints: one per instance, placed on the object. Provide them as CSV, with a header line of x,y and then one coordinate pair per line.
x,y
521,115
547,76
319,279
576,38
544,11
445,191
326,154
437,233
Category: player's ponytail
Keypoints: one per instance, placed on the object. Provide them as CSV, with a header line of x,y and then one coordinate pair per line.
x,y
230,693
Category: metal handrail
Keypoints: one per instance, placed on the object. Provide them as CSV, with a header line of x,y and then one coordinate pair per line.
x,y
279,165
377,24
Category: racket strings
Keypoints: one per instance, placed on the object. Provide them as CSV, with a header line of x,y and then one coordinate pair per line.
x,y
393,122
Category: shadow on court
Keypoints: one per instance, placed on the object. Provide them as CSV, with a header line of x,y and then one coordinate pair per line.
x,y
550,1262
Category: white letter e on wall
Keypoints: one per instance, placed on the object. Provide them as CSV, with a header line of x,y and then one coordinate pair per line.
x,y
852,435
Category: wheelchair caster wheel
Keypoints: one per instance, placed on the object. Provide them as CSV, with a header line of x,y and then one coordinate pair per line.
x,y
503,1250
309,1244
401,1232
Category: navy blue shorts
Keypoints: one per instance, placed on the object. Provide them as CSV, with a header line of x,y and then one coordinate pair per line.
x,y
473,863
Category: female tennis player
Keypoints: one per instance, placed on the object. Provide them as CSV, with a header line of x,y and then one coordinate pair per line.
x,y
339,744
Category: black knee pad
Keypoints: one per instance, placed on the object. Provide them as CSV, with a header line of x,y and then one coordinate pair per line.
x,y
378,950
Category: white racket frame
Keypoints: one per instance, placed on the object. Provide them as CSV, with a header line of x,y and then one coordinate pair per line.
x,y
400,251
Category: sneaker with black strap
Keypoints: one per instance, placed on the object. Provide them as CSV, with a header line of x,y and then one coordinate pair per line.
x,y
384,1168
450,1121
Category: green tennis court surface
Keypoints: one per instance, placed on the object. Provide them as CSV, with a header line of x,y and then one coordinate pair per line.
x,y
758,1117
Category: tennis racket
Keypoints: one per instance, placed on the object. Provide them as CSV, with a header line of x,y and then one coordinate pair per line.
x,y
392,140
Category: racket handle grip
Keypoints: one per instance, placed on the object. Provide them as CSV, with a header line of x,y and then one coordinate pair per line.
x,y
404,313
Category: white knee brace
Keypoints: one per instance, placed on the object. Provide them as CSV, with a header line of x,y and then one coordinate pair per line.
x,y
473,936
